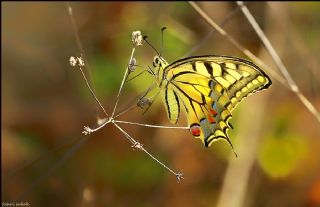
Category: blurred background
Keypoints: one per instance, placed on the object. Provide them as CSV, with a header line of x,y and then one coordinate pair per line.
x,y
45,104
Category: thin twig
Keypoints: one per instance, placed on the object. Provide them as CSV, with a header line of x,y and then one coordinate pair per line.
x,y
79,45
88,130
236,44
278,60
122,83
92,92
139,146
150,125
212,32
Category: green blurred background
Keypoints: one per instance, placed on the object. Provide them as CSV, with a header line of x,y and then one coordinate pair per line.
x,y
45,104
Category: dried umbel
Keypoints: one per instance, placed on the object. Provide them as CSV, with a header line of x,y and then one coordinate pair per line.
x,y
76,61
137,38
132,64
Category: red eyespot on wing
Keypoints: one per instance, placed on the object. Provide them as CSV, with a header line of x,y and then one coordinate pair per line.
x,y
195,130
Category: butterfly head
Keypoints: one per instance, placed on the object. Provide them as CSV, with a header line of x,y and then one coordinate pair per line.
x,y
159,62
159,65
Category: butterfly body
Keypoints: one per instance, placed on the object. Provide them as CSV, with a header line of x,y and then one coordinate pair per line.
x,y
208,88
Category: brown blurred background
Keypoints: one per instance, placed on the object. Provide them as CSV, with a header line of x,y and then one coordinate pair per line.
x,y
45,104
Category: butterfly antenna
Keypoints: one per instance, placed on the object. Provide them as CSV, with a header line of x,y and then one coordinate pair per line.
x,y
145,39
162,40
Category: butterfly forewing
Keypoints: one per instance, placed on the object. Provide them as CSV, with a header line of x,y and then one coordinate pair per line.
x,y
209,88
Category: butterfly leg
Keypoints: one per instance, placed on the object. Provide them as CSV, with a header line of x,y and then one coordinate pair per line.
x,y
145,102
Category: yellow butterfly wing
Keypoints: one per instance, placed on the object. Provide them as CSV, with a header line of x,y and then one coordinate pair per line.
x,y
209,88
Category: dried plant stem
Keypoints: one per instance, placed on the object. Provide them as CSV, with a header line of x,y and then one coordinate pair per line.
x,y
92,92
286,83
122,83
235,43
277,60
136,144
88,130
302,49
139,146
150,125
79,45
211,33
267,44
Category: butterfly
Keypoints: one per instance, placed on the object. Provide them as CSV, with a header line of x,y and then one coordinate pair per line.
x,y
208,88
